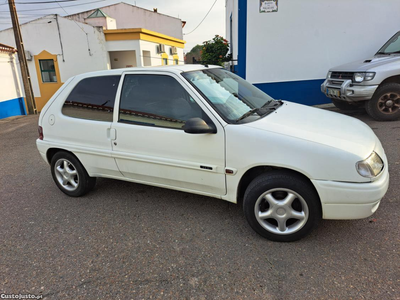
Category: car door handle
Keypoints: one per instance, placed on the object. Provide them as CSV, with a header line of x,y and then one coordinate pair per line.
x,y
112,134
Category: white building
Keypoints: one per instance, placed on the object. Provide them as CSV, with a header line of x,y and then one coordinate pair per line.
x,y
286,47
11,96
130,16
60,47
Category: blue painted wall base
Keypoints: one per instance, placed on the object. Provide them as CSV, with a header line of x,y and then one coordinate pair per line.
x,y
304,92
13,107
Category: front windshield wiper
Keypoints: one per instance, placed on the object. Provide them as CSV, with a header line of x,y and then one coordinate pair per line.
x,y
273,102
249,113
263,110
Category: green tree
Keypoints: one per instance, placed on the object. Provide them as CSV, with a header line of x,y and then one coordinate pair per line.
x,y
215,51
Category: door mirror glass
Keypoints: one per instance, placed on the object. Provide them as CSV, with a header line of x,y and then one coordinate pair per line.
x,y
198,126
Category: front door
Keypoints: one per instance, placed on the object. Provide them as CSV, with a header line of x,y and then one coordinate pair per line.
x,y
150,145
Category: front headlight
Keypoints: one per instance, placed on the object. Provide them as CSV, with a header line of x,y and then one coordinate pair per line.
x,y
359,77
370,167
329,75
369,76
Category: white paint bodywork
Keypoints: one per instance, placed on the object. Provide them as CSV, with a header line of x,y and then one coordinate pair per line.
x,y
321,145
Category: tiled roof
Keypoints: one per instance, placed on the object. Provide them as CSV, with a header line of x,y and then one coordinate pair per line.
x,y
8,49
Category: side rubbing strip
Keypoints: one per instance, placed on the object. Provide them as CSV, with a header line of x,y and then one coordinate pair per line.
x,y
206,168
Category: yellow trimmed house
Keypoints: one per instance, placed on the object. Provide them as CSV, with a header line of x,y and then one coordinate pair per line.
x,y
141,47
115,36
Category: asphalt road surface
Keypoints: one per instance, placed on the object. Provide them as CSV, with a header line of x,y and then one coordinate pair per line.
x,y
130,241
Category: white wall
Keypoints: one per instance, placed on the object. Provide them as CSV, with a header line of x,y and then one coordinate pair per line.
x,y
10,82
232,9
42,34
127,45
129,16
306,38
122,59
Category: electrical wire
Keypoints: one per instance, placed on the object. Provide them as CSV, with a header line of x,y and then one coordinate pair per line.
x,y
203,18
44,2
50,8
40,2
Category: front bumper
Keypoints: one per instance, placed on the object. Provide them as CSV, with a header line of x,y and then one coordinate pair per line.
x,y
341,200
346,91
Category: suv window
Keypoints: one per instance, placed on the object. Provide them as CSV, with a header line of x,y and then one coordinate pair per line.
x,y
93,99
157,100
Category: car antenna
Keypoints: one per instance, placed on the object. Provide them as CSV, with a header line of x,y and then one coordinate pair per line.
x,y
205,65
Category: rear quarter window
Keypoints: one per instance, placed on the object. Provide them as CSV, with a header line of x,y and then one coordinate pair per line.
x,y
92,99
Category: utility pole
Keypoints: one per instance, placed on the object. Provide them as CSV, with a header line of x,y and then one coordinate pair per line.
x,y
26,79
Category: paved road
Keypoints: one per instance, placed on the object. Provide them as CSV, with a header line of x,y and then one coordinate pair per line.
x,y
129,241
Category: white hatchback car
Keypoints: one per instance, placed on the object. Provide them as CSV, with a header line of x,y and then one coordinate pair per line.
x,y
204,130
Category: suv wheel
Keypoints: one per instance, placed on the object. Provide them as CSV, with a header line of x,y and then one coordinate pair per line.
x,y
70,176
344,105
282,206
385,104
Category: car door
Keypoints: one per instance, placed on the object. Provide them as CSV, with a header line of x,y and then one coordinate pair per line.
x,y
150,145
84,125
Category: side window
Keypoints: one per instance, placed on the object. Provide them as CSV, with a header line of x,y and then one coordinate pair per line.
x,y
157,100
47,70
93,99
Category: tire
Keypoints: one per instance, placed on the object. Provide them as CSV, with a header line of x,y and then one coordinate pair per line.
x,y
344,105
70,176
267,213
385,104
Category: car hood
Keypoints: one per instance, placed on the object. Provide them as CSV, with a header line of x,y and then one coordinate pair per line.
x,y
320,127
367,64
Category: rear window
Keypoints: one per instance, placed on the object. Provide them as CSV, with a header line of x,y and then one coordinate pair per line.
x,y
92,99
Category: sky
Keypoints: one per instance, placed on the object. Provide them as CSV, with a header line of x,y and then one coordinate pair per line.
x,y
191,11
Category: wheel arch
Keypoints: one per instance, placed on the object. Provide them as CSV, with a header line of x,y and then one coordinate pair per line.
x,y
391,79
255,171
52,151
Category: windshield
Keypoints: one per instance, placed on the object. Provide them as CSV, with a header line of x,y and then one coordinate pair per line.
x,y
392,46
232,97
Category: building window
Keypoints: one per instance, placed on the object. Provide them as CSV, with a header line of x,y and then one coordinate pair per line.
x,y
176,61
92,99
165,61
48,70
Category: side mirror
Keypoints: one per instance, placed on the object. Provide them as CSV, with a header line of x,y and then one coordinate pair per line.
x,y
198,126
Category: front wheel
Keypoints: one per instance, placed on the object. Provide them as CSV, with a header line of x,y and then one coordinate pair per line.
x,y
282,206
385,104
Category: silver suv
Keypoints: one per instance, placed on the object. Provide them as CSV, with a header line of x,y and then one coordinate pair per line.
x,y
373,82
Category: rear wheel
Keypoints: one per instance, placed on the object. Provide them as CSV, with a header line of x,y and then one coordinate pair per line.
x,y
282,206
385,104
70,176
344,105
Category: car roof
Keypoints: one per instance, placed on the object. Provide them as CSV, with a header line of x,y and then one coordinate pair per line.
x,y
173,69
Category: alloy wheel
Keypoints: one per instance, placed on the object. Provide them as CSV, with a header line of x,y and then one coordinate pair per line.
x,y
66,174
281,211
